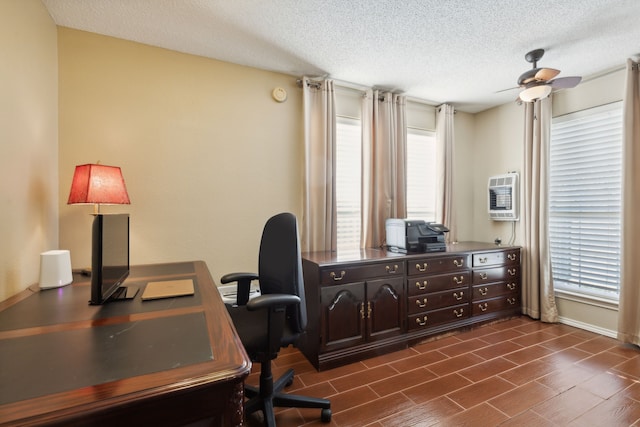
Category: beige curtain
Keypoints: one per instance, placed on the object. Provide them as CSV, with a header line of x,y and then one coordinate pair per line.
x,y
629,311
445,208
538,300
318,230
384,164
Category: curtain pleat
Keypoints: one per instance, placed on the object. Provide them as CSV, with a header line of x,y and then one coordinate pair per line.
x,y
538,299
319,231
384,164
629,314
445,208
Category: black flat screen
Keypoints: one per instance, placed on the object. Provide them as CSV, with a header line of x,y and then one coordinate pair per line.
x,y
109,256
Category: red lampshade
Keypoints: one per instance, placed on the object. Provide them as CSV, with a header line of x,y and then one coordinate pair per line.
x,y
98,184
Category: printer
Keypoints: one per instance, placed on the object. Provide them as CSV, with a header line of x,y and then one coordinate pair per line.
x,y
406,235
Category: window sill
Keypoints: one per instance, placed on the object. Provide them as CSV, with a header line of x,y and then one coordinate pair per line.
x,y
593,300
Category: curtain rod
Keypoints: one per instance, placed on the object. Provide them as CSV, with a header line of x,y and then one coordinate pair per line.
x,y
360,88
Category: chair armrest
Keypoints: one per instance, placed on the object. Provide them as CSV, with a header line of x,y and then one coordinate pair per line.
x,y
244,285
272,301
237,277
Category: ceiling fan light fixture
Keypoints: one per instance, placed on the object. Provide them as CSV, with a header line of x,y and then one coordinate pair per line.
x,y
533,93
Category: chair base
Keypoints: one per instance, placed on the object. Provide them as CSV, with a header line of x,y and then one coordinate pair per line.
x,y
269,396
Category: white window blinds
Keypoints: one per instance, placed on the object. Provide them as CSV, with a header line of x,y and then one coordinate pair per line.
x,y
421,174
585,190
348,182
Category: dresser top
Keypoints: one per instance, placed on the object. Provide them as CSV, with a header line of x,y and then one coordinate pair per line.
x,y
365,255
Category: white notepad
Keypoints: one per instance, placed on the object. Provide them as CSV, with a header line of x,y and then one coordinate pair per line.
x,y
168,289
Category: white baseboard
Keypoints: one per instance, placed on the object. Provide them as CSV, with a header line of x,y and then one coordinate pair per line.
x,y
588,327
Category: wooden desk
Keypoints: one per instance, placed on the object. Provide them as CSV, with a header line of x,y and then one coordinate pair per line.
x,y
164,362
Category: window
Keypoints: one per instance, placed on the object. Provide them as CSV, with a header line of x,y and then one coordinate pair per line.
x,y
348,182
585,187
421,178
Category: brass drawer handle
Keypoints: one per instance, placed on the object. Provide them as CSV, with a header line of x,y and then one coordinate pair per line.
x,y
421,304
392,271
335,277
483,291
458,297
422,286
422,321
512,271
511,301
483,260
368,316
511,286
459,263
458,280
422,267
483,306
483,276
512,257
459,313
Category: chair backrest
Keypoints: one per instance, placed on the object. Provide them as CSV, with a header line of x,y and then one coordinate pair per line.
x,y
280,265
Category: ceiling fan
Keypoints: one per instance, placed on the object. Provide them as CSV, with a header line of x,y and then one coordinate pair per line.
x,y
537,83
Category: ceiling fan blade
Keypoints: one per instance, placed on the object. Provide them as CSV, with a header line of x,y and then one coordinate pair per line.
x,y
527,77
505,90
565,82
546,74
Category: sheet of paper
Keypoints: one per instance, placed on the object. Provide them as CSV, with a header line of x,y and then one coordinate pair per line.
x,y
168,289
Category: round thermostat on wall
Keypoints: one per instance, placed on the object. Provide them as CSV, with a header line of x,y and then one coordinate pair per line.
x,y
279,94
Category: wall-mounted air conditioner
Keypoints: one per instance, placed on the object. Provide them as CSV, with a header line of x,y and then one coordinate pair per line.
x,y
503,197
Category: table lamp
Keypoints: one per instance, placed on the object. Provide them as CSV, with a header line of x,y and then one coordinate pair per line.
x,y
98,185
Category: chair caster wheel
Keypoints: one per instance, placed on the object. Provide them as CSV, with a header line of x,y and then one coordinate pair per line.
x,y
288,383
325,415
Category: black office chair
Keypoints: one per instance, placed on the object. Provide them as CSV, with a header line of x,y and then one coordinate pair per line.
x,y
274,319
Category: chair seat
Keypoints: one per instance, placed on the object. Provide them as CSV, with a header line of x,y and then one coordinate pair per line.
x,y
251,326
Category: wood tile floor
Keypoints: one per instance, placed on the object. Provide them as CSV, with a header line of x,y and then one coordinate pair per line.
x,y
518,372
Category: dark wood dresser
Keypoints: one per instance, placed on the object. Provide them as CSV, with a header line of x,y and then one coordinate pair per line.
x,y
365,303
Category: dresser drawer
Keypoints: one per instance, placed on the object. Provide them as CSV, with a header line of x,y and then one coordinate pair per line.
x,y
492,290
437,317
435,265
436,300
498,274
487,259
347,274
507,302
426,284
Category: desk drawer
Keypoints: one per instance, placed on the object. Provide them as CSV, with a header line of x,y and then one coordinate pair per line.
x,y
435,265
492,290
427,284
507,302
498,274
437,317
427,302
347,274
487,259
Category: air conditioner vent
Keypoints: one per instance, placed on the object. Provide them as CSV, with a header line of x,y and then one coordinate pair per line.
x,y
503,199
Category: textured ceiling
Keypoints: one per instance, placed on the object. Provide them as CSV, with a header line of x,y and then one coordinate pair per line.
x,y
460,51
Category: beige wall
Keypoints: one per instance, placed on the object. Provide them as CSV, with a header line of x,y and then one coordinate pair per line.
x,y
206,153
28,142
498,149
